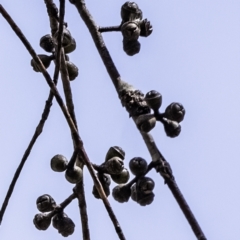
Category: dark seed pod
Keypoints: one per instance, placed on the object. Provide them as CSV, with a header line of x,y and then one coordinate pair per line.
x,y
46,42
146,199
72,70
71,47
131,47
45,203
42,221
67,37
175,111
74,175
146,122
115,151
138,166
121,178
130,31
59,163
134,193
121,193
63,224
153,100
146,28
105,181
145,185
46,60
130,11
114,165
172,128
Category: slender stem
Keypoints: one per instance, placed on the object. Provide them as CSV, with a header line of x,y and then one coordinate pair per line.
x,y
79,143
110,29
69,102
36,134
116,79
67,201
72,160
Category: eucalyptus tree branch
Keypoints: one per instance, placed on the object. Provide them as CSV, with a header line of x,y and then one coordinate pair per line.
x,y
79,143
124,88
68,96
36,134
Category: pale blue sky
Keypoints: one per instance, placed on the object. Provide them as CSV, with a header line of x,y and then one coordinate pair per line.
x,y
192,56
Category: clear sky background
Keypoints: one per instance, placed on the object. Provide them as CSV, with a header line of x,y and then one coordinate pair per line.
x,y
192,57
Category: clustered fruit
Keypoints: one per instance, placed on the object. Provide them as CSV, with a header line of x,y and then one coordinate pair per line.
x,y
132,27
49,43
52,213
170,119
73,173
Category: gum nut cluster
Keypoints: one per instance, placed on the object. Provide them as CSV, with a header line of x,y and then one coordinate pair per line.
x,y
63,224
45,203
59,163
114,165
105,181
48,43
141,191
132,27
172,116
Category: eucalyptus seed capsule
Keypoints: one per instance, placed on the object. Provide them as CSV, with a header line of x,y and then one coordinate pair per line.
x,y
121,178
74,175
175,111
59,163
72,70
45,203
153,100
172,128
121,193
115,151
42,221
114,165
138,166
46,42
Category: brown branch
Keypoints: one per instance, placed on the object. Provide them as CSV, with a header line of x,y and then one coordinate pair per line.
x,y
79,143
110,29
60,59
119,85
36,134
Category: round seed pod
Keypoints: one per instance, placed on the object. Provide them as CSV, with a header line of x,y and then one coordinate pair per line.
x,y
146,28
67,37
121,178
74,175
41,221
121,193
175,111
131,47
130,31
45,203
172,128
46,42
145,185
72,70
138,166
46,60
63,224
105,181
114,165
115,151
59,163
153,100
130,11
71,47
146,199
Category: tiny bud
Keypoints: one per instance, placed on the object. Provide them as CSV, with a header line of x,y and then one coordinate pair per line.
x,y
114,165
121,193
59,163
121,178
138,166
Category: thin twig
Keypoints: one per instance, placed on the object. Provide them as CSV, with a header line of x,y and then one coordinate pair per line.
x,y
79,143
110,29
118,83
36,134
68,96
